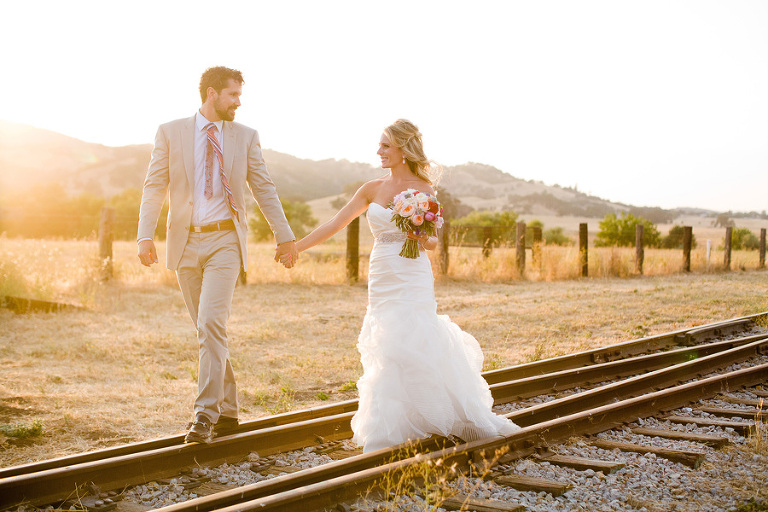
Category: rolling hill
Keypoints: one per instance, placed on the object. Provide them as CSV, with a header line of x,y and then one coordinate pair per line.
x,y
30,155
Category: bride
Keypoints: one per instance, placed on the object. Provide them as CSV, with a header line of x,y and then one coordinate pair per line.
x,y
421,371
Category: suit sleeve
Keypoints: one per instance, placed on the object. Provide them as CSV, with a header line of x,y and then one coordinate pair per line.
x,y
155,187
265,193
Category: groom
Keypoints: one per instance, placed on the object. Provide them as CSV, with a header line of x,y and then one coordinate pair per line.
x,y
206,162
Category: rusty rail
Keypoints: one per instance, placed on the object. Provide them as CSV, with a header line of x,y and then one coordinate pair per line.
x,y
47,485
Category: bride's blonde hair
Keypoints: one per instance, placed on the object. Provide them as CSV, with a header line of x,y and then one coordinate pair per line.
x,y
406,136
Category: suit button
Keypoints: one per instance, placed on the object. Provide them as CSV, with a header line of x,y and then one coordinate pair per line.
x,y
191,203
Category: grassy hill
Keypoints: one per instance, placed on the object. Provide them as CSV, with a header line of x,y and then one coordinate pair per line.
x,y
29,156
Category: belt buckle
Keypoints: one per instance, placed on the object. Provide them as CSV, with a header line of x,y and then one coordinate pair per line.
x,y
197,229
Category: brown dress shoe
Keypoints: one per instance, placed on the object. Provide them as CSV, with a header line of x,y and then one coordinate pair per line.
x,y
201,430
225,426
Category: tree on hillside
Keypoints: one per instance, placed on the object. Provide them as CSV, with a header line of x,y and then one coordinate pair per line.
x,y
298,213
652,213
620,231
723,220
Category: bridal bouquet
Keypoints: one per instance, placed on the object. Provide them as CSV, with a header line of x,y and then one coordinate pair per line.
x,y
418,213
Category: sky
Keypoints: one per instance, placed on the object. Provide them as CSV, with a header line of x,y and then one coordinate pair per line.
x,y
649,103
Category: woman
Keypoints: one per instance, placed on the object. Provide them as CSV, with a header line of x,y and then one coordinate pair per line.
x,y
421,371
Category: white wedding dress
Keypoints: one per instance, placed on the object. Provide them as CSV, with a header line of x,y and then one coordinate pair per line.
x,y
421,371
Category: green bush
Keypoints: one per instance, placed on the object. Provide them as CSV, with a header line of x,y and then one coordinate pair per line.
x,y
470,229
743,238
674,240
620,231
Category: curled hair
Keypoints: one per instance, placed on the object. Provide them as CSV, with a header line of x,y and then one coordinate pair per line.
x,y
406,136
218,78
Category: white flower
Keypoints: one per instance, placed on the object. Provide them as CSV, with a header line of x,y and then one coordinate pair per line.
x,y
422,201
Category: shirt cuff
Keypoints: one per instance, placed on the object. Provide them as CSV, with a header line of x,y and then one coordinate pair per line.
x,y
142,239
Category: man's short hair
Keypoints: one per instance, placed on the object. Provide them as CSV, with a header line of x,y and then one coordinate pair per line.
x,y
218,78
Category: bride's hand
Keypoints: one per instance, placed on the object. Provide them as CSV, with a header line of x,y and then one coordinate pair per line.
x,y
414,236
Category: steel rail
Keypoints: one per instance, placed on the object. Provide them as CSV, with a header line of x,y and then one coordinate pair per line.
x,y
367,462
567,379
483,454
638,385
155,444
571,361
47,485
665,341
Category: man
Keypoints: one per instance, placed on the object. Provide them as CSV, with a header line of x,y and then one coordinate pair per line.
x,y
207,161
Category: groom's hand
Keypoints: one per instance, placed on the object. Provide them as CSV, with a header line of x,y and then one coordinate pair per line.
x,y
147,252
287,254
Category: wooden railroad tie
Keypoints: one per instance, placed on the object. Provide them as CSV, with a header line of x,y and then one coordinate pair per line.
x,y
754,402
742,427
759,392
581,463
731,413
691,459
461,502
529,483
707,439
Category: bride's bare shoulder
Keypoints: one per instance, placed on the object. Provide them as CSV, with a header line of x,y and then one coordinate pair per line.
x,y
370,189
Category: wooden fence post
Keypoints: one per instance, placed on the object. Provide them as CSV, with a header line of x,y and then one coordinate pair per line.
x,y
687,242
727,255
639,248
583,249
443,239
536,247
762,248
487,242
353,250
106,236
520,248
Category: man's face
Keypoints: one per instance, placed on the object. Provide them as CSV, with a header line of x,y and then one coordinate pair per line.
x,y
226,102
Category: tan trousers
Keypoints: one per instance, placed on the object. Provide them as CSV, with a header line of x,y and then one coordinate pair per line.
x,y
207,274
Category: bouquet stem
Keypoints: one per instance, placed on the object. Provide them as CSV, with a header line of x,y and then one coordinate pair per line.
x,y
410,249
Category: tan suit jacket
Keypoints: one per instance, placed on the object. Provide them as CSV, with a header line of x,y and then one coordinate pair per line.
x,y
173,167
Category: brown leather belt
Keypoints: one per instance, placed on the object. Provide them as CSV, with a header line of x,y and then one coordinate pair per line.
x,y
224,225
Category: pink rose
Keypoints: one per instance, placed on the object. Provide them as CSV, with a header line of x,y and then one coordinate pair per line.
x,y
429,216
407,210
417,219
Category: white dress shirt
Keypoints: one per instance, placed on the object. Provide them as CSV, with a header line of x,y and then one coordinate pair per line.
x,y
208,211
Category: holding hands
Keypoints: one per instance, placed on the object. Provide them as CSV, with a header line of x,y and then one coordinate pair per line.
x,y
287,254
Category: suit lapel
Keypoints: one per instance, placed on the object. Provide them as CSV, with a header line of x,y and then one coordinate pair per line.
x,y
230,141
188,149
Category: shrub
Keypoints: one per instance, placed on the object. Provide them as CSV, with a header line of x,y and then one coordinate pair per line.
x,y
743,238
620,231
674,240
555,236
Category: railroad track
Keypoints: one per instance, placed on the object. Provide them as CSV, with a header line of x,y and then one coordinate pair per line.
x,y
553,400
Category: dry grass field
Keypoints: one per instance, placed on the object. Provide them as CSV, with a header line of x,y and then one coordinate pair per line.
x,y
124,368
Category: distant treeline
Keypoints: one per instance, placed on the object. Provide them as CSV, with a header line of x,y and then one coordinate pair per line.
x,y
49,212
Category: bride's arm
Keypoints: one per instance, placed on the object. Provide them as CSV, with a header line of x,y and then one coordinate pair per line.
x,y
356,206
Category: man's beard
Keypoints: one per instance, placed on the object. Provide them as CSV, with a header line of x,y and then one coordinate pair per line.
x,y
226,115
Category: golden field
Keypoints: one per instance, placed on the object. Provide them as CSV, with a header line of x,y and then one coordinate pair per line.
x,y
124,368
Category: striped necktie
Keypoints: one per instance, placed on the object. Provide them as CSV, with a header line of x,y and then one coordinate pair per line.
x,y
214,148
